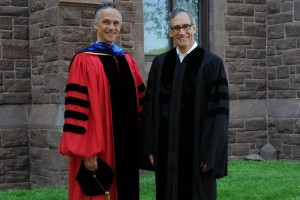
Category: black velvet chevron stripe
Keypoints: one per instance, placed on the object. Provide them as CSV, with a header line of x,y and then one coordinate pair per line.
x,y
76,115
77,88
77,101
141,88
74,129
219,96
220,81
219,111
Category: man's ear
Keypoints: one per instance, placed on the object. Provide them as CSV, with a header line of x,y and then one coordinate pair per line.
x,y
170,32
95,24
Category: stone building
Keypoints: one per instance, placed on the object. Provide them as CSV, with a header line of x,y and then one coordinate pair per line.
x,y
259,41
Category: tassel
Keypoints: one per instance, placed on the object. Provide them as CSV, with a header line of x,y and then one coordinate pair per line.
x,y
107,195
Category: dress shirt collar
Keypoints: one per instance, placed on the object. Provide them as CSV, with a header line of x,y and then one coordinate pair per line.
x,y
182,55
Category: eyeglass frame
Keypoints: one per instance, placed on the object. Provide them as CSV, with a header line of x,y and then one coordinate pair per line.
x,y
183,27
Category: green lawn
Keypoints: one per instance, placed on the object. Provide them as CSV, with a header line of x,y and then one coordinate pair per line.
x,y
247,180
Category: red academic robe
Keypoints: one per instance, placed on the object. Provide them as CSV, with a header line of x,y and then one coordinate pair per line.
x,y
95,136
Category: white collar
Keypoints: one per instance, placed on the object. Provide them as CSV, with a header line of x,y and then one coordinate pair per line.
x,y
182,55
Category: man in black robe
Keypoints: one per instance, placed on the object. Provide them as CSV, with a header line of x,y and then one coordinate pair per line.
x,y
185,116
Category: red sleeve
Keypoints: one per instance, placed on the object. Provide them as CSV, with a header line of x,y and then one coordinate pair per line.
x,y
83,137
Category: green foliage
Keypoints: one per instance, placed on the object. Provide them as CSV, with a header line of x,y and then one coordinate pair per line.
x,y
251,180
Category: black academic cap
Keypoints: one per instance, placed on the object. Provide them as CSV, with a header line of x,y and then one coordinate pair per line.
x,y
95,183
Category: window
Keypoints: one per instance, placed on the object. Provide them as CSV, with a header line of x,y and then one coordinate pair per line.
x,y
156,39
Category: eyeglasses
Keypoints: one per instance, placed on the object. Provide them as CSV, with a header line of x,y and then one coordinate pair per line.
x,y
185,27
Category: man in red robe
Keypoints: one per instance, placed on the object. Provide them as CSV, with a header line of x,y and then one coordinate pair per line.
x,y
104,92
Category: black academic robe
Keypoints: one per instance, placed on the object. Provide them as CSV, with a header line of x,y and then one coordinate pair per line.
x,y
185,121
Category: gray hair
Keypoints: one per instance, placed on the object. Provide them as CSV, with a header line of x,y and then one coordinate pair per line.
x,y
176,11
103,6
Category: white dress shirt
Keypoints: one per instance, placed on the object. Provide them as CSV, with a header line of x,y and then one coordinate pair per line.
x,y
182,55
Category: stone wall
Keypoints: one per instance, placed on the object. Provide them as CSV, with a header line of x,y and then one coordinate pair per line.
x,y
15,94
262,57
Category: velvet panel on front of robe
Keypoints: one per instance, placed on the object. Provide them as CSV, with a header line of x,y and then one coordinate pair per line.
x,y
125,125
185,164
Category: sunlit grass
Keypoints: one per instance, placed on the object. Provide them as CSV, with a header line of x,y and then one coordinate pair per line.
x,y
246,180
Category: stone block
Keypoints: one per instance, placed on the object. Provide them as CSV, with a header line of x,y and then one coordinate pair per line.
x,y
260,17
15,49
283,17
259,43
282,108
6,23
255,124
75,34
41,116
12,98
243,40
17,85
247,95
240,9
245,137
17,176
51,52
54,83
14,11
6,64
291,139
19,3
254,29
8,153
291,57
296,152
268,152
70,16
237,78
285,94
255,1
273,6
232,136
274,60
235,52
21,32
276,31
21,21
295,82
233,23
259,73
255,85
14,138
292,29
13,116
279,84
23,73
247,109
256,54
240,149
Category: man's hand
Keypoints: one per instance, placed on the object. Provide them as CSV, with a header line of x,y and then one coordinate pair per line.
x,y
150,156
91,163
204,167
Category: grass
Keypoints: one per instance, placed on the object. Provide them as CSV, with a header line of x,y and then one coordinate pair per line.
x,y
247,180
